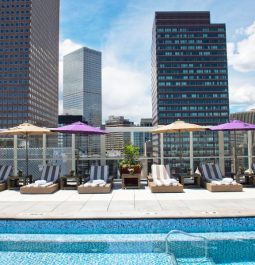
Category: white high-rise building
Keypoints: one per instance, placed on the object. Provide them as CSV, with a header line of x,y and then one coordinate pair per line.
x,y
82,93
83,85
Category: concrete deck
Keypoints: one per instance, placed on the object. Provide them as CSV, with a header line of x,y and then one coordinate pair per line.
x,y
68,204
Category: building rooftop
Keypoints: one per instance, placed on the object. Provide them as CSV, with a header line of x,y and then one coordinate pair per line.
x,y
141,203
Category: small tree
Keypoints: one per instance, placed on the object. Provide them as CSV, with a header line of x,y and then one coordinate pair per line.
x,y
131,157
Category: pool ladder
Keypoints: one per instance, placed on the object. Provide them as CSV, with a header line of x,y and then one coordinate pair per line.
x,y
196,238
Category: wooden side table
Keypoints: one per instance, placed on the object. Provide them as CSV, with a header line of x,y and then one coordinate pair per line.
x,y
15,182
249,178
70,182
196,177
131,181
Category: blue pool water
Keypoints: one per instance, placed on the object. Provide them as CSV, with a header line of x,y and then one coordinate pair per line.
x,y
223,241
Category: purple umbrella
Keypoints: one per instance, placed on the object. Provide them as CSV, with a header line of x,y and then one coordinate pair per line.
x,y
234,125
79,128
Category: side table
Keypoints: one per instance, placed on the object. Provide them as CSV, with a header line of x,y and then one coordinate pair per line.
x,y
131,181
196,177
69,182
15,182
249,178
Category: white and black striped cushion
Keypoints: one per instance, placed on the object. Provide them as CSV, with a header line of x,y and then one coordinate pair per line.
x,y
99,172
210,172
160,172
4,172
51,173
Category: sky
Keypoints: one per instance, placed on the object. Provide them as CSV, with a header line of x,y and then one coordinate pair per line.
x,y
121,30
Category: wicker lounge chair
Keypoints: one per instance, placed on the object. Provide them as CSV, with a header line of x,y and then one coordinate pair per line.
x,y
98,182
213,180
160,180
5,171
51,175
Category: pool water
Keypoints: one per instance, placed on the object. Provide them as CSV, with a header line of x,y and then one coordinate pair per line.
x,y
226,241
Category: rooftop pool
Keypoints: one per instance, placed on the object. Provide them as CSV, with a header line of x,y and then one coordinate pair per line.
x,y
225,241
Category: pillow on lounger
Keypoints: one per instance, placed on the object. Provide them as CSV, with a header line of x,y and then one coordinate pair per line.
x,y
40,182
94,183
227,180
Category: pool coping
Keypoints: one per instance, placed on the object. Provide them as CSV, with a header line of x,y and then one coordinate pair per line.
x,y
125,217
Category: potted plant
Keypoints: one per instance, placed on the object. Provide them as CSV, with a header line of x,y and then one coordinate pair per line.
x,y
130,164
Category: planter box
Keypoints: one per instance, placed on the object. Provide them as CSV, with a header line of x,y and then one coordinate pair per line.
x,y
124,170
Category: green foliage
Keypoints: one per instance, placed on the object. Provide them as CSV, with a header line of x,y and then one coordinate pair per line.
x,y
131,156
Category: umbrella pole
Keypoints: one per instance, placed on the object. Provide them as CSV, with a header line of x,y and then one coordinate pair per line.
x,y
235,154
26,155
180,144
78,154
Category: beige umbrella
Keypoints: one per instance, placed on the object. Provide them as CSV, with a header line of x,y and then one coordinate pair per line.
x,y
26,129
178,127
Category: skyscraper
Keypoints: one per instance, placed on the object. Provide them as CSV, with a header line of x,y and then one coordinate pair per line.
x,y
189,70
83,85
83,91
29,44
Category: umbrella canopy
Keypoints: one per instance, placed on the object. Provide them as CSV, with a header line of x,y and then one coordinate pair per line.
x,y
179,126
79,128
26,129
234,125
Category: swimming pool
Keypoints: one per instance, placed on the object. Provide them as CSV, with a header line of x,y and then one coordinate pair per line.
x,y
222,241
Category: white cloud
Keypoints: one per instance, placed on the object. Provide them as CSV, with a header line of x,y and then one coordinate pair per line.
x,y
124,93
241,55
241,94
126,67
65,46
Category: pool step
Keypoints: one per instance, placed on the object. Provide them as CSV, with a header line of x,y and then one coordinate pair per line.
x,y
194,261
17,258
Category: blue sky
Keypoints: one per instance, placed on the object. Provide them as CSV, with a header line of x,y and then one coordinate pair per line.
x,y
121,29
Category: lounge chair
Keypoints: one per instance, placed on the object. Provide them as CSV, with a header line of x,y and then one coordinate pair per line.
x,y
98,182
161,180
213,180
49,182
5,171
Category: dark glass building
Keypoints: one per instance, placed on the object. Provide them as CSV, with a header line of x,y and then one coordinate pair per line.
x,y
29,48
189,73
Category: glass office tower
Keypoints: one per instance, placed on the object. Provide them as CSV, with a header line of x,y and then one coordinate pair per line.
x,y
29,47
83,91
189,75
83,85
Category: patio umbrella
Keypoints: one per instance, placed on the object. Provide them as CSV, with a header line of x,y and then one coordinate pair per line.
x,y
178,127
234,125
80,129
26,129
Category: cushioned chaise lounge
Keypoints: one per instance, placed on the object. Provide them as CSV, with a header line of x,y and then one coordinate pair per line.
x,y
99,181
161,180
213,180
5,171
49,182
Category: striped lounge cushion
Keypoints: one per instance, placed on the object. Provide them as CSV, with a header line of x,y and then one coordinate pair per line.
x,y
99,172
51,173
160,172
211,172
4,172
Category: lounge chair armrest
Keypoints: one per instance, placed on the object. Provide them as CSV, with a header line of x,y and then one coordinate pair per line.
x,y
86,179
150,179
110,179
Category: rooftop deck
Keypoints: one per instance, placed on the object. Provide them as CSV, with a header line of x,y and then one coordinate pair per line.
x,y
141,203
